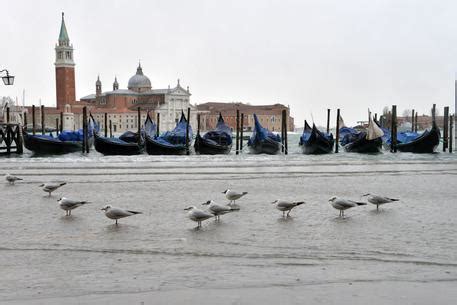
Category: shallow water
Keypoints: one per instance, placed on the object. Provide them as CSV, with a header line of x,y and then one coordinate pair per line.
x,y
47,255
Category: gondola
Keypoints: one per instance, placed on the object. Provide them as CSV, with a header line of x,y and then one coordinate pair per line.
x,y
346,134
369,141
427,142
127,144
215,142
170,142
65,142
263,141
314,142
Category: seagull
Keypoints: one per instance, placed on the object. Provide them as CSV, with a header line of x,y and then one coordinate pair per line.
x,y
232,195
217,210
379,200
51,187
197,215
284,205
117,213
11,179
344,204
68,204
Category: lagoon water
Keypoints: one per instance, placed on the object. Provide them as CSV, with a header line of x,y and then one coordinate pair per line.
x,y
404,254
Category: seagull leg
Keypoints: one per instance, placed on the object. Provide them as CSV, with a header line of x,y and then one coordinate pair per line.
x,y
283,213
116,222
377,207
342,212
288,213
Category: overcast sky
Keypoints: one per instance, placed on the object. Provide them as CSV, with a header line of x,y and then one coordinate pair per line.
x,y
311,55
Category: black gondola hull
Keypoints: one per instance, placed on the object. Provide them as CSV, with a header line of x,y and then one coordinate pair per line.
x,y
424,144
155,148
364,146
107,147
317,143
45,146
266,146
317,148
204,147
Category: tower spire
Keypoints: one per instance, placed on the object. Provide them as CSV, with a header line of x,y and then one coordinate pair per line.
x,y
64,40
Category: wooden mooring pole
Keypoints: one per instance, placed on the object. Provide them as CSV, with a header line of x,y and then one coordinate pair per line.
x,y
33,120
106,125
337,137
393,130
43,127
328,121
61,122
445,128
237,148
158,124
7,115
139,126
241,132
57,126
84,129
415,123
451,130
187,133
412,121
24,115
110,129
198,124
284,124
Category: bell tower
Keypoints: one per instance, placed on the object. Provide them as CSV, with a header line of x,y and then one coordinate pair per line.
x,y
65,69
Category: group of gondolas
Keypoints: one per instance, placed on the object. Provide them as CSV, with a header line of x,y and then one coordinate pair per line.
x,y
219,140
370,140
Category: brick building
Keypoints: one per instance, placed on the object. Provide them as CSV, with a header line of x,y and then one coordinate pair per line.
x,y
269,115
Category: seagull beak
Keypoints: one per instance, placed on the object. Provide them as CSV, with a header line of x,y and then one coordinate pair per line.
x,y
365,195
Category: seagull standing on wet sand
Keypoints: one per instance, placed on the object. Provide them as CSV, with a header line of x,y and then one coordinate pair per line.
x,y
11,179
232,195
67,204
217,210
117,213
197,215
51,187
378,200
344,204
285,205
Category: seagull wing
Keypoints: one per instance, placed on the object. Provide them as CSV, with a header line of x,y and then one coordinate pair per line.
x,y
219,208
116,212
285,204
199,214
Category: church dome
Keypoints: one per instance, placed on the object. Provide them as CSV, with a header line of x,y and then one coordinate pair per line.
x,y
139,82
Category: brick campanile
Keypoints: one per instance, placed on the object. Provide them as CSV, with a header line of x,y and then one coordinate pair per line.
x,y
65,69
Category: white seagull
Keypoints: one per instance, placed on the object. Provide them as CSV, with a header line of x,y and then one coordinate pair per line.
x,y
51,187
344,204
379,200
11,179
117,213
232,195
217,210
285,205
197,215
68,204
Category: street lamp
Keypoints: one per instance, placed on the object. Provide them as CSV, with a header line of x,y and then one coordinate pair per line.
x,y
8,80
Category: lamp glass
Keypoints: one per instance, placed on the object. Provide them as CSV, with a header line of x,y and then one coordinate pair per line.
x,y
8,80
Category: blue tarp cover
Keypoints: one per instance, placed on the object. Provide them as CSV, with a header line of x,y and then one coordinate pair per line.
x,y
260,133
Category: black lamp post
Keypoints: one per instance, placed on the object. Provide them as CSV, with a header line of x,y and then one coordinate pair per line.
x,y
8,80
